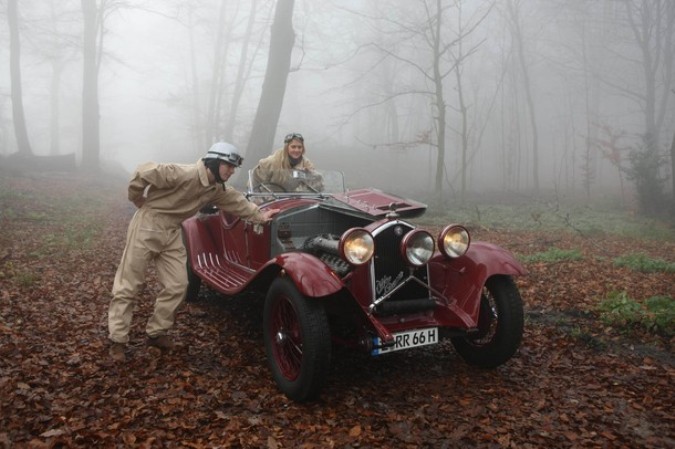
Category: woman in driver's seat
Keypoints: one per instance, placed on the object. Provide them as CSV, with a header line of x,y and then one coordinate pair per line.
x,y
277,169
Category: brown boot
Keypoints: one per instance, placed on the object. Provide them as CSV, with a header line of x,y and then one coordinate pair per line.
x,y
116,351
162,342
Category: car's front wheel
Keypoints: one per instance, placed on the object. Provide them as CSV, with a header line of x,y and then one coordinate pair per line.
x,y
297,340
500,325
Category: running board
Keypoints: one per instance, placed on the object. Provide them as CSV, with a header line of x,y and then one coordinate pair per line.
x,y
220,273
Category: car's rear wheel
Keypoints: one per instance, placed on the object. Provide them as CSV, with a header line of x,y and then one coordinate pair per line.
x,y
500,325
297,340
194,284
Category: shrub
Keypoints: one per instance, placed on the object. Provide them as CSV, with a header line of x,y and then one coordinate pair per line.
x,y
656,314
661,314
646,171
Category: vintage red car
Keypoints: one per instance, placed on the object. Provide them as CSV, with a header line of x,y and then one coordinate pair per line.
x,y
348,267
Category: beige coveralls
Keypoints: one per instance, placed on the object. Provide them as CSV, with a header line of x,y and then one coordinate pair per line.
x,y
174,193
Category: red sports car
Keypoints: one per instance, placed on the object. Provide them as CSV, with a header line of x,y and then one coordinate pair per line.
x,y
347,267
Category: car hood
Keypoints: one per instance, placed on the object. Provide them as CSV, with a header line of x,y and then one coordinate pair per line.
x,y
378,203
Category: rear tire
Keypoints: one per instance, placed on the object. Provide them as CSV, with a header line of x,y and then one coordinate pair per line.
x,y
297,340
194,284
500,325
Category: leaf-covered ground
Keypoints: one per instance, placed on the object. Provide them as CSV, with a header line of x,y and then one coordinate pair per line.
x,y
574,383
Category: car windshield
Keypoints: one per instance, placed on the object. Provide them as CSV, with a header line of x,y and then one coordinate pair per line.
x,y
289,182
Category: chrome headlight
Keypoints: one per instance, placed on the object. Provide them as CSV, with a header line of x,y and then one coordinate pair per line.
x,y
417,247
357,246
454,241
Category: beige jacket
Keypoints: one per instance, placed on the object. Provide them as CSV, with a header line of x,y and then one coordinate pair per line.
x,y
276,168
176,192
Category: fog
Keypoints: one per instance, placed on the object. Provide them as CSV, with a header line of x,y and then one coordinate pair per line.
x,y
543,95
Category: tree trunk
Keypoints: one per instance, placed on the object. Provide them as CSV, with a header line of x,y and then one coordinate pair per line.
x,y
672,171
514,9
274,85
198,132
90,106
19,118
220,51
54,106
440,105
241,74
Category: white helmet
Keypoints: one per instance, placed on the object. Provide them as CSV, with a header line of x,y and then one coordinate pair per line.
x,y
225,152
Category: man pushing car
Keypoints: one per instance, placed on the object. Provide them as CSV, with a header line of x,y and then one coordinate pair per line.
x,y
167,194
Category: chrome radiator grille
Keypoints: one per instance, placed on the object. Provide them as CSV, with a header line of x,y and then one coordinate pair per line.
x,y
390,269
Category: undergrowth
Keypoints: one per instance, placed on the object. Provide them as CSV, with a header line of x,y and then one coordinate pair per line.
x,y
643,263
656,314
584,220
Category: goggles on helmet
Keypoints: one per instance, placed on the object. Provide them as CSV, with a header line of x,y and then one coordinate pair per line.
x,y
232,159
293,136
227,156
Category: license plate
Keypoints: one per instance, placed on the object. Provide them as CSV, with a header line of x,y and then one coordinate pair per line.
x,y
408,339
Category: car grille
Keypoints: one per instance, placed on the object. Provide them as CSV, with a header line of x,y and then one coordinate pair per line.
x,y
390,270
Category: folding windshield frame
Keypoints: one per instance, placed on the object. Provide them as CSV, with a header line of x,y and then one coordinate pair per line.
x,y
333,181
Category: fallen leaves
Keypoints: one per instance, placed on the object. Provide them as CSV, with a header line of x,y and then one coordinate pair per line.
x,y
574,383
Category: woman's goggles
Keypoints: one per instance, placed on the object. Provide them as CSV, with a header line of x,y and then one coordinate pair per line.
x,y
293,136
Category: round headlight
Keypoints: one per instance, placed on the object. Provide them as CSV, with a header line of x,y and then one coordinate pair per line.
x,y
454,241
357,246
417,247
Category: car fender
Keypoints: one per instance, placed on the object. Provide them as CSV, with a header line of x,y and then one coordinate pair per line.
x,y
495,259
311,276
462,279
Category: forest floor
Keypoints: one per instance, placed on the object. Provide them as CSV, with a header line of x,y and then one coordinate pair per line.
x,y
576,382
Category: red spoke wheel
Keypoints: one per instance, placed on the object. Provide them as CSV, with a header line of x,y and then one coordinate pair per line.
x,y
297,340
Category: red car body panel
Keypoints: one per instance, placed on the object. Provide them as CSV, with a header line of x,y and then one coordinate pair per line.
x,y
229,254
378,203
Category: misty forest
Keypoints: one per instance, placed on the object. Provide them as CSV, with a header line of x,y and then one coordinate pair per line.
x,y
545,127
574,98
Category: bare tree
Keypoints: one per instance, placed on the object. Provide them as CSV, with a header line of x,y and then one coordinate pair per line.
x,y
458,55
221,50
513,8
19,118
432,33
57,47
672,174
282,40
92,40
652,25
243,71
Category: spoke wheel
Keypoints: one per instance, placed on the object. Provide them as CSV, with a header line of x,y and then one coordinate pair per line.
x,y
297,340
500,325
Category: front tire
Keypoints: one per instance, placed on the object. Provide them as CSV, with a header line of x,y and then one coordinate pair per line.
x,y
500,325
297,340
